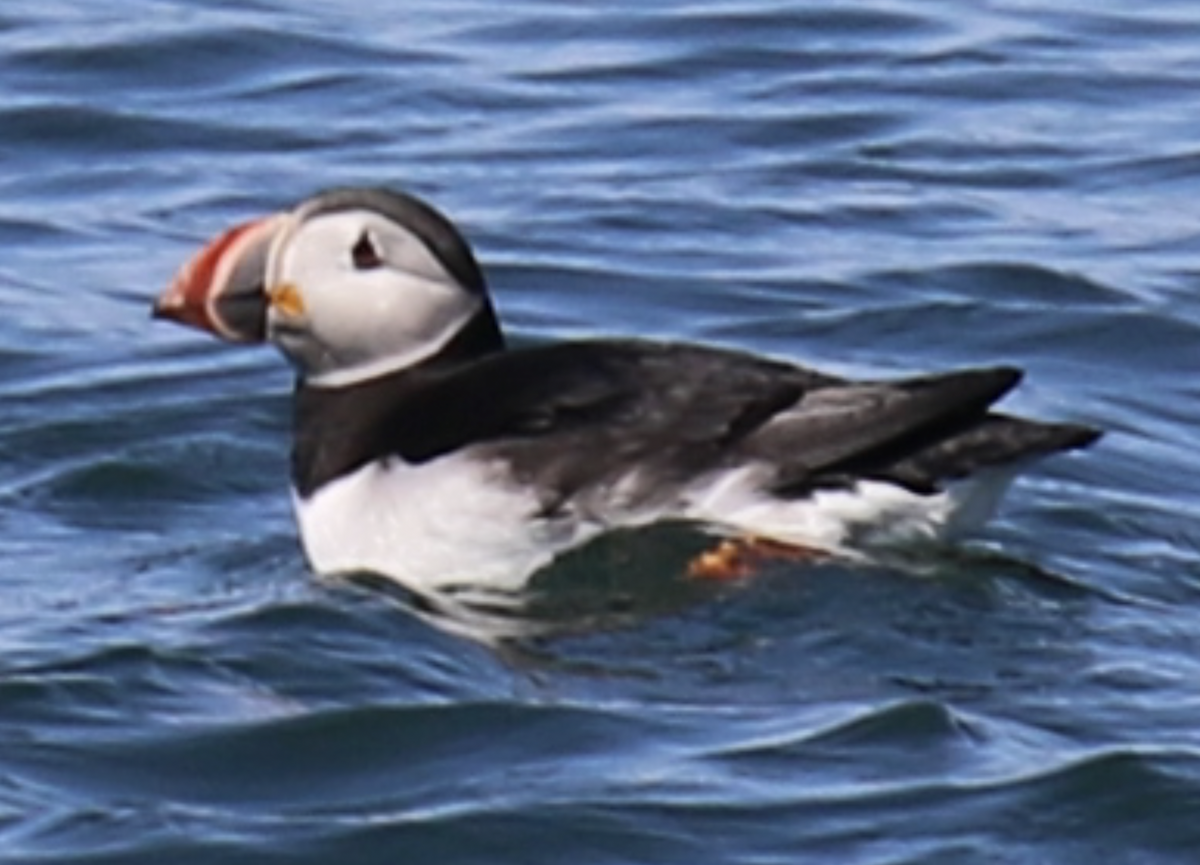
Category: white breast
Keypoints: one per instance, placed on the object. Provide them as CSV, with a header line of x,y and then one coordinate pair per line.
x,y
452,521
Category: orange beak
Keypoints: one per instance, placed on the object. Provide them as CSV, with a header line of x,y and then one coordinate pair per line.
x,y
221,290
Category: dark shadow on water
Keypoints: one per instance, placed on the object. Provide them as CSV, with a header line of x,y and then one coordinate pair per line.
x,y
638,579
615,582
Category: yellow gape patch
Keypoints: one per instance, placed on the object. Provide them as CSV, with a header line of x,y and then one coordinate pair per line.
x,y
286,299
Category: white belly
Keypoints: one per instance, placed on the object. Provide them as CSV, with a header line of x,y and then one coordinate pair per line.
x,y
458,522
869,513
448,522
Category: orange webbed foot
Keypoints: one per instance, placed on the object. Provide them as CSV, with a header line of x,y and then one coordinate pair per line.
x,y
738,558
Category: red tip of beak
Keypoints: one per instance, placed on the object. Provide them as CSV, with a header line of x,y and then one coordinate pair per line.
x,y
193,295
186,298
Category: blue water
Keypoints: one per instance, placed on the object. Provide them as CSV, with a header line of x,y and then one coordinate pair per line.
x,y
876,187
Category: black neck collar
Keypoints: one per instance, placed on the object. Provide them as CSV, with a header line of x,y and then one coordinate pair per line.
x,y
339,429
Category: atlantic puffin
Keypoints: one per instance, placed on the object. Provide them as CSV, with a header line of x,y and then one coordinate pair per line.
x,y
429,452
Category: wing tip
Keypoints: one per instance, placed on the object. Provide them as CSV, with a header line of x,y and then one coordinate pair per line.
x,y
971,390
1074,437
1003,378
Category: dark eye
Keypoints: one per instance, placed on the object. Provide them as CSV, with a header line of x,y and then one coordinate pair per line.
x,y
364,254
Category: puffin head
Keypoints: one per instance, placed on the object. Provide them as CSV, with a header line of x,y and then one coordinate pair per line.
x,y
351,284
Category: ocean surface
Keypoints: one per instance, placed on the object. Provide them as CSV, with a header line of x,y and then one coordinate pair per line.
x,y
877,188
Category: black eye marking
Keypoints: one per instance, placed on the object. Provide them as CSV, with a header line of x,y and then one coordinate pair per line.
x,y
364,254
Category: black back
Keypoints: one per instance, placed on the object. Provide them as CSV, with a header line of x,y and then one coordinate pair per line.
x,y
572,414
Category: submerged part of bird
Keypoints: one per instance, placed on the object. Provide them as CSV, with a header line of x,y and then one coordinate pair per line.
x,y
428,452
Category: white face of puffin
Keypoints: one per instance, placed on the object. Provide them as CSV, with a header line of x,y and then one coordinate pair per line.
x,y
353,294
352,284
